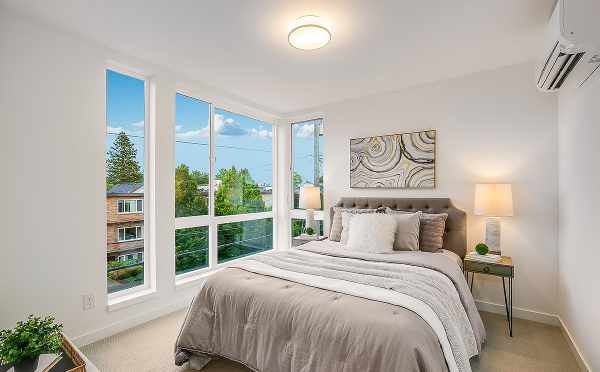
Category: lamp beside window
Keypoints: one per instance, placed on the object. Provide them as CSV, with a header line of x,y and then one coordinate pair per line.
x,y
493,200
310,199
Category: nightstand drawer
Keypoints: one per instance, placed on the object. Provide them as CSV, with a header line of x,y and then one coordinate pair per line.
x,y
488,268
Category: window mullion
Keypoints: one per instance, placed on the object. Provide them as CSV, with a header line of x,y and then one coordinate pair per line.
x,y
212,230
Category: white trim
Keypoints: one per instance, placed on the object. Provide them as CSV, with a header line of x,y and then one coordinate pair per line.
x,y
130,200
583,364
130,227
120,326
132,298
518,312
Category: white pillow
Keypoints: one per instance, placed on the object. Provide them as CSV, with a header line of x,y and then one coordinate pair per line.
x,y
372,233
346,217
407,231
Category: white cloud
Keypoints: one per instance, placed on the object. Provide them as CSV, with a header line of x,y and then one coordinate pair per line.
x,y
223,127
305,130
192,134
261,133
115,130
139,124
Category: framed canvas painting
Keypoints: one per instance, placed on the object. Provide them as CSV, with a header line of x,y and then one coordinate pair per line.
x,y
396,161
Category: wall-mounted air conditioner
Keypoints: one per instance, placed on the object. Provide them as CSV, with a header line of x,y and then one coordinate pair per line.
x,y
572,46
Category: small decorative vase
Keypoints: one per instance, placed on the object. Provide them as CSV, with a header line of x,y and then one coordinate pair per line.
x,y
27,365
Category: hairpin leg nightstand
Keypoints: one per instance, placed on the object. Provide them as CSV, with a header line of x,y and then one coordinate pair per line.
x,y
504,269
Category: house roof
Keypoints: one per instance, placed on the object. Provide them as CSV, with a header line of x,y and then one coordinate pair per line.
x,y
127,189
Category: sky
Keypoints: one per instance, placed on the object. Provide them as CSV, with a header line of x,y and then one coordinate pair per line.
x,y
241,141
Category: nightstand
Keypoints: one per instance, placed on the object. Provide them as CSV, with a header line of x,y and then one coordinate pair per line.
x,y
503,269
303,239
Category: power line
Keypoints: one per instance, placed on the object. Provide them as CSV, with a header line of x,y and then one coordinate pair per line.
x,y
201,143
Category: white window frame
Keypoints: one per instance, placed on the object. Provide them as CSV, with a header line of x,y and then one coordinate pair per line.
x,y
300,213
130,200
149,284
211,220
136,227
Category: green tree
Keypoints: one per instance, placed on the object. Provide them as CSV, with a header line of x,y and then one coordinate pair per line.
x,y
297,180
189,201
121,163
237,193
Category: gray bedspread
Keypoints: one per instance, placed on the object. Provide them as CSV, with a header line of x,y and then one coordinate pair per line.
x,y
249,314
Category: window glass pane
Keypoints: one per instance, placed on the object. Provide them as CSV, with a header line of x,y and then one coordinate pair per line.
x,y
238,239
125,113
140,206
191,156
244,169
121,206
191,249
307,156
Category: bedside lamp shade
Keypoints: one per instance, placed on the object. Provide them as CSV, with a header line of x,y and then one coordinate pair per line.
x,y
493,200
310,197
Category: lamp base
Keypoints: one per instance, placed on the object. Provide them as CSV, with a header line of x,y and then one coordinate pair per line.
x,y
492,234
309,220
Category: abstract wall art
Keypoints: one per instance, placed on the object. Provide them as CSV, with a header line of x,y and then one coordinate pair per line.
x,y
398,161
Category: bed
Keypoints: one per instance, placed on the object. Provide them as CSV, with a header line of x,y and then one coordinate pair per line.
x,y
321,307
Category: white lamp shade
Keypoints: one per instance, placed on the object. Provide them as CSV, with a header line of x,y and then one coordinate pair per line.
x,y
493,200
310,197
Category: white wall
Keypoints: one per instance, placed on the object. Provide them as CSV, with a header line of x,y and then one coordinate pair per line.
x,y
52,152
491,126
579,207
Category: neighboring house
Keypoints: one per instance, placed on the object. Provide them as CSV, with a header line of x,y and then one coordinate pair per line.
x,y
125,222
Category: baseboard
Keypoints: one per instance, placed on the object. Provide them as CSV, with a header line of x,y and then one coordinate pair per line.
x,y
583,365
125,324
535,316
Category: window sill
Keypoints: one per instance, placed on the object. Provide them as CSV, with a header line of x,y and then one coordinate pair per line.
x,y
193,280
130,299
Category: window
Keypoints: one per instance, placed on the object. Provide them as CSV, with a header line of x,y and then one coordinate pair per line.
x,y
239,239
307,168
191,249
131,233
244,163
131,206
234,154
192,149
125,174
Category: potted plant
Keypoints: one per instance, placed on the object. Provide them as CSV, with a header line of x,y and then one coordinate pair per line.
x,y
23,345
310,231
482,249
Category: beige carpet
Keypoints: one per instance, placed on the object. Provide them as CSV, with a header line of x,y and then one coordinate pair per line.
x,y
149,347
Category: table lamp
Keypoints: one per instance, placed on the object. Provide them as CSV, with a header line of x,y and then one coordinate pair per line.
x,y
310,199
493,200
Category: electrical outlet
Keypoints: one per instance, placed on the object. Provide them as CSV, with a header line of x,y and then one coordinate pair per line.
x,y
88,301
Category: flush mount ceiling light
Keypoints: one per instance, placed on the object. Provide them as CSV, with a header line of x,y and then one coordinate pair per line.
x,y
309,33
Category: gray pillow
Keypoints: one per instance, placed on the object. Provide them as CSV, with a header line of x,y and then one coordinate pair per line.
x,y
407,231
335,233
431,234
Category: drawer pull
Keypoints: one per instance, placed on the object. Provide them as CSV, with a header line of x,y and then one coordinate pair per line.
x,y
486,269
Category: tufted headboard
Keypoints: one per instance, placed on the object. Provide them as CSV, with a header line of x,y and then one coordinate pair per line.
x,y
455,238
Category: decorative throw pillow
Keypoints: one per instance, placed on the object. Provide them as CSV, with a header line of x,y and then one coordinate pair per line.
x,y
433,227
335,233
407,231
431,231
372,233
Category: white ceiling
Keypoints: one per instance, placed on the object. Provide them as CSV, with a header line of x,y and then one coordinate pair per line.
x,y
241,45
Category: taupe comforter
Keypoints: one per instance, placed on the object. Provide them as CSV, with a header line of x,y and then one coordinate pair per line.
x,y
322,308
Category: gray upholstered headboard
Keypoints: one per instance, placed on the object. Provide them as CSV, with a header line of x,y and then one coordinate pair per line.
x,y
455,238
